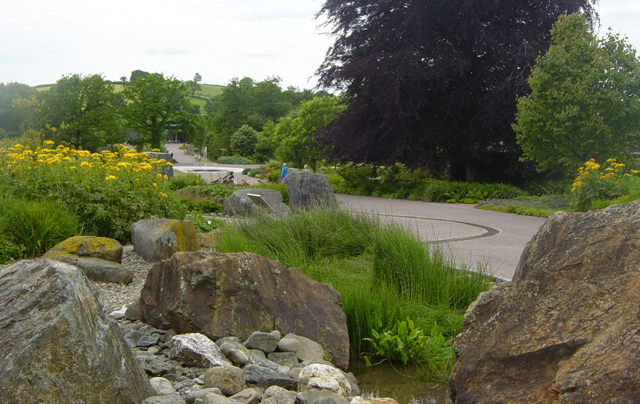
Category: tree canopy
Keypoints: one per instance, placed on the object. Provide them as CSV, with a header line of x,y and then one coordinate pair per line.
x,y
10,119
433,83
82,112
585,100
154,104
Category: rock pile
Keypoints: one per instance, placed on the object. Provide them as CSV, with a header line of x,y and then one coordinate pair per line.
x,y
223,295
266,368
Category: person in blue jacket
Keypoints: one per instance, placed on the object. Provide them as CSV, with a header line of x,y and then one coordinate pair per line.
x,y
283,172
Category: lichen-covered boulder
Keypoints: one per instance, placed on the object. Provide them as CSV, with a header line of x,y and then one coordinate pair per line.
x,y
158,239
99,258
309,190
236,294
57,345
566,328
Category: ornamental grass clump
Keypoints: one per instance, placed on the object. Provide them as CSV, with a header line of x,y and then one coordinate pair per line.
x,y
108,190
384,272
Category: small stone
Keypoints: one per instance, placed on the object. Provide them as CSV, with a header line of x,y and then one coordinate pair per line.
x,y
153,350
288,345
263,341
161,386
147,340
230,380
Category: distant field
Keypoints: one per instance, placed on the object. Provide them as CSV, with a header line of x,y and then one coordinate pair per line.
x,y
210,90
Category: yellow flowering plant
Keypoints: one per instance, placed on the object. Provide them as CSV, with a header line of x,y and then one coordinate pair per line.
x,y
107,190
599,182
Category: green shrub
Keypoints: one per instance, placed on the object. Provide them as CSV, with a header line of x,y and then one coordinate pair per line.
x,y
598,183
184,180
108,191
38,225
232,160
256,172
246,171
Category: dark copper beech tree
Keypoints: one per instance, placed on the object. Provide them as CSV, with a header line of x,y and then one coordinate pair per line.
x,y
434,82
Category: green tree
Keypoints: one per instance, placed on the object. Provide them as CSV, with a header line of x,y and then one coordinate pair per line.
x,y
155,104
82,112
297,134
243,141
10,119
584,102
193,84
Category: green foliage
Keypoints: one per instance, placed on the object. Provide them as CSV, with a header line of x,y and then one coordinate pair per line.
x,y
596,182
341,248
295,135
585,100
205,224
405,343
35,226
233,160
154,103
10,119
243,141
108,191
184,180
396,181
81,112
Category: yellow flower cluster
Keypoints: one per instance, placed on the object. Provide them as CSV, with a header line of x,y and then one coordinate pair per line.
x,y
59,162
611,173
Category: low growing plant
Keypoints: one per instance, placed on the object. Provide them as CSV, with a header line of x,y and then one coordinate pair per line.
x,y
405,343
233,160
595,182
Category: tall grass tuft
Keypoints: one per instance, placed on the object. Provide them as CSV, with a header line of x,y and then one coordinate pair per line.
x,y
384,272
37,226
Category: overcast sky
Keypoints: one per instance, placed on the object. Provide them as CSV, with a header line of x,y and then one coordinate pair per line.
x,y
40,40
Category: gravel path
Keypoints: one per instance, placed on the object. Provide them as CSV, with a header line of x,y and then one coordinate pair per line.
x,y
114,295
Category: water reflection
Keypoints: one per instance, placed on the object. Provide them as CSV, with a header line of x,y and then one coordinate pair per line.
x,y
383,381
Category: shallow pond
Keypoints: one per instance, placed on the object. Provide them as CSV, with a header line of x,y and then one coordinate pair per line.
x,y
383,380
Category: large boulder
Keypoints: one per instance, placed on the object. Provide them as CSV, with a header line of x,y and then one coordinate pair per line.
x,y
56,345
99,257
308,190
240,204
158,239
236,294
566,328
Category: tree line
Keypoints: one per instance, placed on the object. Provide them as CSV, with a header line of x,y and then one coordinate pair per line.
x,y
88,112
485,90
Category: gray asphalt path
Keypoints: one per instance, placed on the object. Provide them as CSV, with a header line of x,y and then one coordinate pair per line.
x,y
470,237
209,171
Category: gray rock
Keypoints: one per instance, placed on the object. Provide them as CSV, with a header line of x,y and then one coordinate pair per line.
x,y
257,357
324,377
216,399
308,350
56,344
161,386
230,380
132,311
256,375
263,341
252,395
278,395
157,365
148,340
200,393
353,382
170,399
252,293
236,353
158,239
288,345
565,329
309,191
325,397
195,349
240,204
284,358
223,340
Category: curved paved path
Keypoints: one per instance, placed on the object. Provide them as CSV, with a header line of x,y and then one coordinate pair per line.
x,y
471,237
